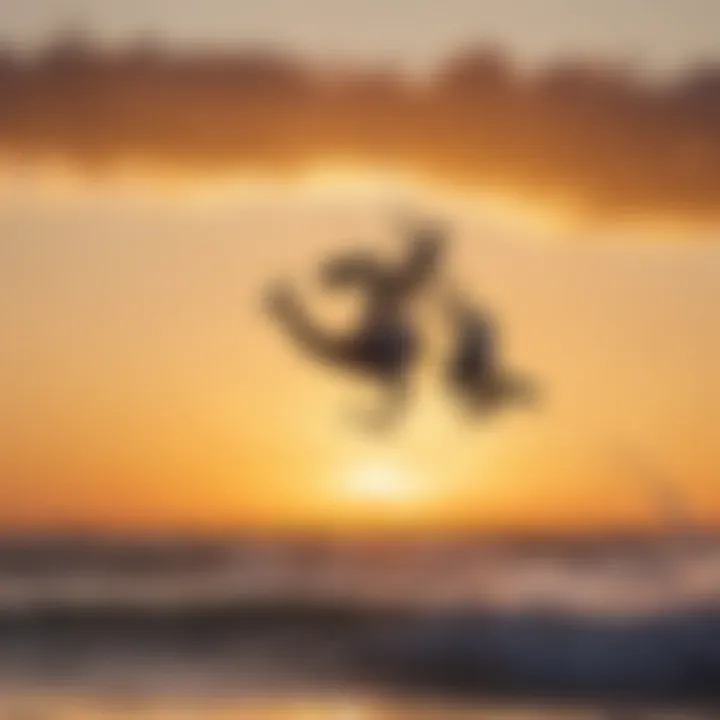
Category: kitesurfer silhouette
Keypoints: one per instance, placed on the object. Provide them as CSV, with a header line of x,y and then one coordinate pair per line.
x,y
385,344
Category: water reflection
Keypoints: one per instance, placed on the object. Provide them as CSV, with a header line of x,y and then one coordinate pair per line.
x,y
32,706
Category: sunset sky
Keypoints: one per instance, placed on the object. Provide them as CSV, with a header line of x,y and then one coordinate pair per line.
x,y
140,386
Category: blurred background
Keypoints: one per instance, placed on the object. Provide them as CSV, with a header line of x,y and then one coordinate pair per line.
x,y
188,528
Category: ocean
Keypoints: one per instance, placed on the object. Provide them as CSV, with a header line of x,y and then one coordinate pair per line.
x,y
268,628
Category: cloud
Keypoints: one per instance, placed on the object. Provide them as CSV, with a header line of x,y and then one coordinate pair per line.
x,y
596,138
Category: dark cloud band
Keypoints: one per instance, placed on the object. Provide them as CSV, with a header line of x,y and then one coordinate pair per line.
x,y
583,134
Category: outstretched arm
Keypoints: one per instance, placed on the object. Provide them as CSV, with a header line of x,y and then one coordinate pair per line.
x,y
283,305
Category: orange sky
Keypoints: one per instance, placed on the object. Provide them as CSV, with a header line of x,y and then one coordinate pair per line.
x,y
140,385
142,388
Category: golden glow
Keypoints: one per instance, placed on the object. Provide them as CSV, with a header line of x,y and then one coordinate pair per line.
x,y
169,399
400,191
381,482
390,187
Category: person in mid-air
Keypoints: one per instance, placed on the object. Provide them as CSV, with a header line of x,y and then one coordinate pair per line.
x,y
385,344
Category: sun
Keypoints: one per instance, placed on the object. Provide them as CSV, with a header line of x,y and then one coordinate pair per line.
x,y
380,482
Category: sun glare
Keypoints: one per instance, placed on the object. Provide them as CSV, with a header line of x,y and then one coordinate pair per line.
x,y
380,482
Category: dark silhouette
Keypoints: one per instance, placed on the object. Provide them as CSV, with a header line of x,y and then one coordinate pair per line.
x,y
388,287
474,375
385,344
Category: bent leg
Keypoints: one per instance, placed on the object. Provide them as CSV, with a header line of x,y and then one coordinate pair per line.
x,y
394,401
